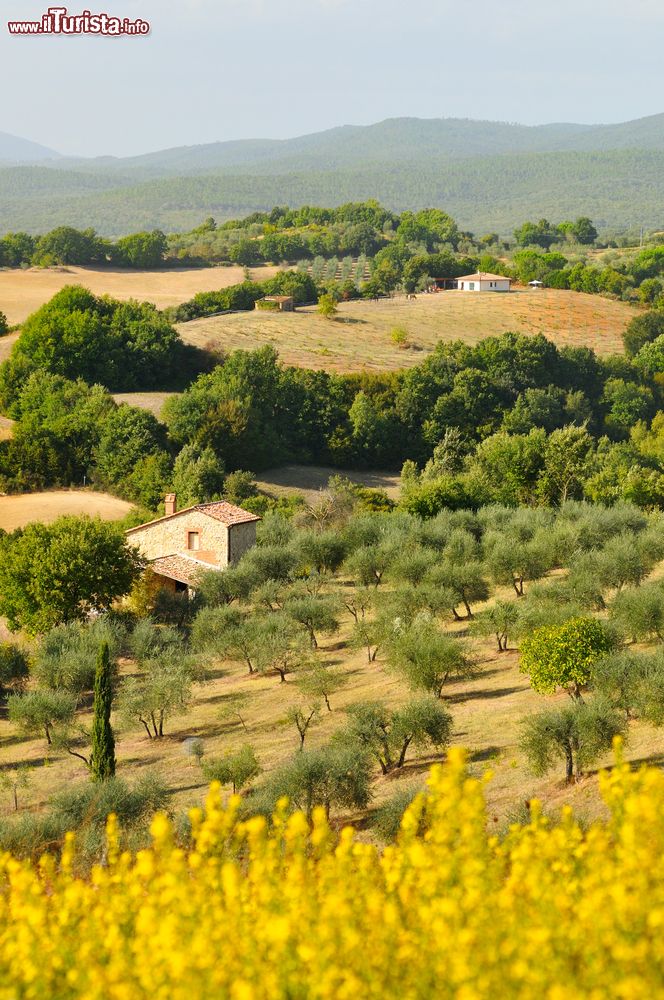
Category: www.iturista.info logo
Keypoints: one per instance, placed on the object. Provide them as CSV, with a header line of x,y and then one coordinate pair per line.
x,y
57,21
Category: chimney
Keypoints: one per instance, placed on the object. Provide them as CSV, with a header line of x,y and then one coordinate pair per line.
x,y
170,504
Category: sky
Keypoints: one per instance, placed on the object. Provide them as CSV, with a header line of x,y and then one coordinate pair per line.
x,y
213,70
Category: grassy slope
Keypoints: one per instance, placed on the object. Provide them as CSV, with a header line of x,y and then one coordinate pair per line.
x,y
359,338
487,714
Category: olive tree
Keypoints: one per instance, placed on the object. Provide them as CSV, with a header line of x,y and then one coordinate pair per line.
x,y
41,712
638,612
576,734
427,657
387,735
332,776
163,690
320,682
236,769
499,621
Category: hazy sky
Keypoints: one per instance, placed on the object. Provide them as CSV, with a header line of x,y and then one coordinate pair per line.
x,y
224,69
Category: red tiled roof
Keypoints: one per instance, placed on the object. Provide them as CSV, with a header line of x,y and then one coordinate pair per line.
x,y
220,510
483,276
182,568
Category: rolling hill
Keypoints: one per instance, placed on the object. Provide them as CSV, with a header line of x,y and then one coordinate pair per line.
x,y
489,175
16,150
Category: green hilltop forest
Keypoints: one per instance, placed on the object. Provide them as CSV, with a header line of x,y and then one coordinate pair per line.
x,y
486,174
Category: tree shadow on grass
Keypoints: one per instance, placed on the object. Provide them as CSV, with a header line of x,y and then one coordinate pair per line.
x,y
485,693
486,753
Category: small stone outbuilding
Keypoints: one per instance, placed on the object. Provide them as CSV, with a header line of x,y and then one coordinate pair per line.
x,y
184,543
276,303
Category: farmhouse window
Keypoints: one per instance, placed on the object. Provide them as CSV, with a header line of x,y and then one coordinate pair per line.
x,y
193,541
471,286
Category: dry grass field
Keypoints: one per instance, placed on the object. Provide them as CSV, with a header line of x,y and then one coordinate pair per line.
x,y
309,480
17,511
151,401
21,292
359,337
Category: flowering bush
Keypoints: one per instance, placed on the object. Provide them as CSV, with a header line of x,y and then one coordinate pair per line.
x,y
251,912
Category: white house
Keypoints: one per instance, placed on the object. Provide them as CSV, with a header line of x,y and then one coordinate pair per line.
x,y
482,282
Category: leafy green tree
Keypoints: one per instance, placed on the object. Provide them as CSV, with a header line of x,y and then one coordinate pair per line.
x,y
4,324
576,734
122,345
567,457
515,561
142,250
65,245
464,580
239,486
633,682
198,475
387,735
540,233
642,330
60,572
650,359
327,306
285,646
584,231
13,780
369,563
563,656
235,769
102,757
40,712
323,550
163,687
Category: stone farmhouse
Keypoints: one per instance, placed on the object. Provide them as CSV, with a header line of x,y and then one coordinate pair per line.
x,y
184,543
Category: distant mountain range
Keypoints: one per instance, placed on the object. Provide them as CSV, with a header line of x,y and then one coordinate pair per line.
x,y
15,150
489,175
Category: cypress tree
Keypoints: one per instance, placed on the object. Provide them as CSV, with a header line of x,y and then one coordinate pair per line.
x,y
103,743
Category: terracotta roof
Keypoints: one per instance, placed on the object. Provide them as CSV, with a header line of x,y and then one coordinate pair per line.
x,y
278,298
220,510
483,276
184,569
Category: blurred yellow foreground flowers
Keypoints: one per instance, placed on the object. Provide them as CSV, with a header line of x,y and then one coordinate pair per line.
x,y
296,912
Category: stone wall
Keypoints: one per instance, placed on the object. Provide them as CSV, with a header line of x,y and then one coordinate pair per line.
x,y
242,538
170,535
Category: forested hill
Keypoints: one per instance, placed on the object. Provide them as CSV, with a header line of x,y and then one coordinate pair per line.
x,y
489,176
